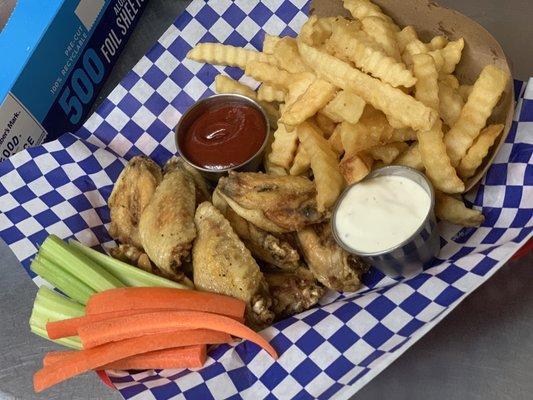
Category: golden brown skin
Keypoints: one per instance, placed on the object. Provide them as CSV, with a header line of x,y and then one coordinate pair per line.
x,y
202,191
167,226
275,250
130,196
330,264
223,264
293,292
276,204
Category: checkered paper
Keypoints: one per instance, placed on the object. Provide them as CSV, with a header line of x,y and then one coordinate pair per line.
x,y
329,351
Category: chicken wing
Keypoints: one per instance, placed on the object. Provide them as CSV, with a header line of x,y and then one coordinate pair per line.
x,y
276,204
278,251
202,191
223,264
330,264
130,196
293,292
167,226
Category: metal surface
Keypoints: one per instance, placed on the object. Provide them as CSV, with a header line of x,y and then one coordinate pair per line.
x,y
408,257
482,350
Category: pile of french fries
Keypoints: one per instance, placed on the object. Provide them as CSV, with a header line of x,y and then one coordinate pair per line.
x,y
350,95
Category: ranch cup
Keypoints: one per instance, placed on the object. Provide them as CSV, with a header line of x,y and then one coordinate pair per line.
x,y
408,256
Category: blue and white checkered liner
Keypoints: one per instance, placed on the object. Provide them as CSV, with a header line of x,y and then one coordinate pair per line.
x,y
62,187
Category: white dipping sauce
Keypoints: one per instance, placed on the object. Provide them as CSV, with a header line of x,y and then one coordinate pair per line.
x,y
380,213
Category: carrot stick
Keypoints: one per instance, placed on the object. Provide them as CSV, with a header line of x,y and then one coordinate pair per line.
x,y
85,360
69,327
178,357
164,298
120,328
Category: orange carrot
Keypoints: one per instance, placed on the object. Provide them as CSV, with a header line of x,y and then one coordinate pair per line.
x,y
120,328
178,357
85,360
69,327
137,298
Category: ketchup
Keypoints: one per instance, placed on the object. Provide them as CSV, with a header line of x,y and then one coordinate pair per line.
x,y
224,136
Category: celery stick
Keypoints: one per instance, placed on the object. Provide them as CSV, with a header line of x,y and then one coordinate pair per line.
x,y
68,284
77,265
128,274
51,306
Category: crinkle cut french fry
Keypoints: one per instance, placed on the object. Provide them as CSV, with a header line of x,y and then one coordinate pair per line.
x,y
391,101
475,155
438,42
225,84
372,129
395,123
367,55
326,125
410,158
270,93
381,32
464,91
436,161
335,140
298,87
426,87
288,57
485,94
269,42
450,104
364,8
450,209
406,36
269,74
451,54
317,95
402,135
223,54
387,152
450,80
345,106
355,167
324,164
301,162
284,147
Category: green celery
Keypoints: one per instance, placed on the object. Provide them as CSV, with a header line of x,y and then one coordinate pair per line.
x,y
128,274
64,281
83,268
51,306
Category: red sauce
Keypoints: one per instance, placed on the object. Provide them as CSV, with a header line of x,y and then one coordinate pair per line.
x,y
224,136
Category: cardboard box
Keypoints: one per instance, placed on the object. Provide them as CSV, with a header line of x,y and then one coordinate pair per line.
x,y
57,55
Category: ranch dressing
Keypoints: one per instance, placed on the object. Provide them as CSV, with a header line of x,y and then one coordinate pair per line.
x,y
380,213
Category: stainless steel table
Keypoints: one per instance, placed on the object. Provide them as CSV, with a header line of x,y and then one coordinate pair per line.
x,y
482,350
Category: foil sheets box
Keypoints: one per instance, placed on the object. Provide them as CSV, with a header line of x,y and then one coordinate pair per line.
x,y
56,56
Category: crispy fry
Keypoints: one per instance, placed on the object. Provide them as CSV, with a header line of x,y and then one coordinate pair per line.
x,y
316,30
450,104
448,208
328,179
417,47
450,80
395,123
367,55
452,55
438,42
475,155
306,33
301,162
326,125
380,30
269,42
402,135
288,57
364,8
410,158
387,152
225,84
223,54
372,130
485,94
406,36
284,147
426,88
345,106
464,91
436,162
274,169
317,95
298,87
269,93
355,167
382,96
269,74
335,140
